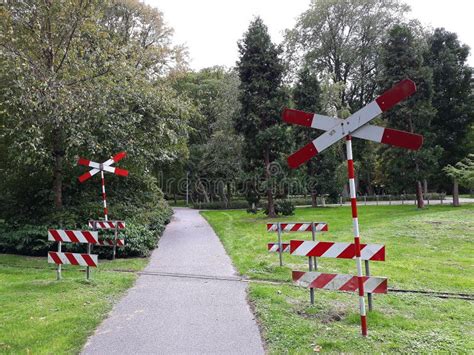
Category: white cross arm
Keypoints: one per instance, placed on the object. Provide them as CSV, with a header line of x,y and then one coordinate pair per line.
x,y
384,102
369,132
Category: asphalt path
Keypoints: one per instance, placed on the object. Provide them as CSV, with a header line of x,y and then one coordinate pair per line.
x,y
166,314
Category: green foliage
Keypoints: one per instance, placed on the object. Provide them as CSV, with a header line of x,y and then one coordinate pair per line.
x,y
463,171
285,207
452,98
402,58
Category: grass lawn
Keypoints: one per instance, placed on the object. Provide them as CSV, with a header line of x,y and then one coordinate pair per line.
x,y
432,249
40,315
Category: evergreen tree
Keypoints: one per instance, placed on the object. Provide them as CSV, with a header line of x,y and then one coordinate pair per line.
x,y
320,170
452,96
401,59
262,99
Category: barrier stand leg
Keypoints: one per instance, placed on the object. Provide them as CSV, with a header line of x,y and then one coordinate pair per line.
x,y
313,232
58,272
115,242
311,290
88,269
279,244
355,223
369,295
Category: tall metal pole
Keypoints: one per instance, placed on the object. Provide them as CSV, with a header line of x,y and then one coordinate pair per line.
x,y
58,273
355,222
104,196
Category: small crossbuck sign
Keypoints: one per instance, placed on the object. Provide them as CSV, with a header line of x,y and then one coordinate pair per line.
x,y
105,166
356,125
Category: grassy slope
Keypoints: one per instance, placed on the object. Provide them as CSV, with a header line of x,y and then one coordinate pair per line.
x,y
426,250
41,315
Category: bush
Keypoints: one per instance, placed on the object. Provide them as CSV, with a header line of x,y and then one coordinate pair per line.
x,y
285,207
221,205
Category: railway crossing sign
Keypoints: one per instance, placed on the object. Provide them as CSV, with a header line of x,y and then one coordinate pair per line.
x,y
105,166
356,125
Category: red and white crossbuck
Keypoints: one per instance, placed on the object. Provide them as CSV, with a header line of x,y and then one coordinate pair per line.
x,y
105,166
357,126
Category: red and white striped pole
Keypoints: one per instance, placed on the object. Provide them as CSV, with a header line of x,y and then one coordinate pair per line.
x,y
104,196
355,222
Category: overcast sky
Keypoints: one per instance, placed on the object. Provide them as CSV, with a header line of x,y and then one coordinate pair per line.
x,y
211,28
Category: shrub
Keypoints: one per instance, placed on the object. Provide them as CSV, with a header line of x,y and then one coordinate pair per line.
x,y
284,207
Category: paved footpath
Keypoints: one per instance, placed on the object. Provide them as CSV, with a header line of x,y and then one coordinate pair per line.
x,y
165,314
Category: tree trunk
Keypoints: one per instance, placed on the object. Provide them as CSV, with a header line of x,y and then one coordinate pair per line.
x,y
419,195
425,186
271,204
314,199
58,179
456,193
229,191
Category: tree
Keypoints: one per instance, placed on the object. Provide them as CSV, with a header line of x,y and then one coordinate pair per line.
x,y
401,58
462,173
307,96
342,39
262,99
452,96
85,77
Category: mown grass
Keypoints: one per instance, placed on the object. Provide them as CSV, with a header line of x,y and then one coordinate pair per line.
x,y
431,249
40,315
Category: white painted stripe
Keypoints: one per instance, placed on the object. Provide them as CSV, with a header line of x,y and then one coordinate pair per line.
x,y
352,188
335,250
370,250
304,227
288,227
370,132
304,248
355,224
349,149
337,282
372,283
362,305
320,226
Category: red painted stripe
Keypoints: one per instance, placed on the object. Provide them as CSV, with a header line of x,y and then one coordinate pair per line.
x,y
83,161
72,237
55,257
297,117
393,96
347,253
296,275
325,228
350,169
357,246
402,139
119,156
89,237
121,225
294,244
322,280
71,258
380,255
88,260
363,324
106,211
350,285
296,227
121,172
55,235
320,249
84,177
360,283
120,242
382,288
302,155
354,207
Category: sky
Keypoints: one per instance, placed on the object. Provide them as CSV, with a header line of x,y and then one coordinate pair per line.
x,y
210,29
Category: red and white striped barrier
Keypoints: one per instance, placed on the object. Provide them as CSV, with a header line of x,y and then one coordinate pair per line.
x,y
298,227
356,125
72,259
339,282
372,252
274,247
73,236
110,242
107,224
